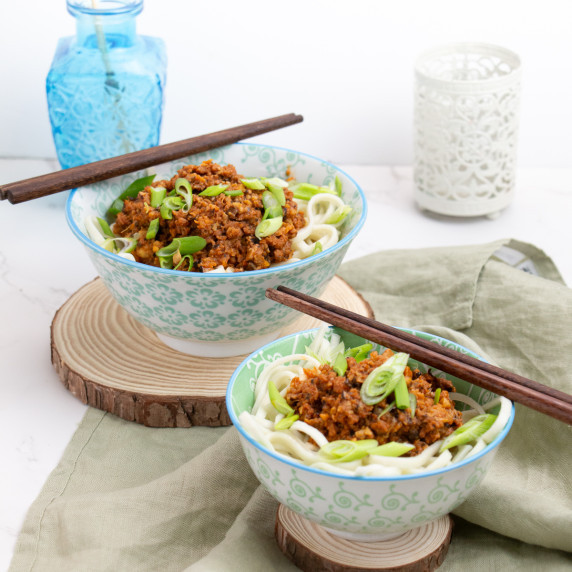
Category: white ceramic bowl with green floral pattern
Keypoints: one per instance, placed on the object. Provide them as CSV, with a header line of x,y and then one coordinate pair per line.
x,y
358,508
217,315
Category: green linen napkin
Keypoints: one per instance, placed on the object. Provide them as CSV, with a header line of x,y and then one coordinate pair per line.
x,y
128,497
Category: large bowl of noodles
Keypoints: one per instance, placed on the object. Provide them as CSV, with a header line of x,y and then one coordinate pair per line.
x,y
216,314
359,499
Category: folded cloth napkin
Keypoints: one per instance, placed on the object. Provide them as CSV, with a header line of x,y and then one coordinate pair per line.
x,y
128,497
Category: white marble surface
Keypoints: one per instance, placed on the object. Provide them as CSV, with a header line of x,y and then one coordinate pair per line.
x,y
42,264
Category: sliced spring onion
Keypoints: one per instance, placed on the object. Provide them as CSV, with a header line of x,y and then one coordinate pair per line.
x,y
338,186
386,409
401,394
286,422
340,365
305,191
253,184
468,432
268,227
412,404
392,449
437,396
185,191
234,193
359,352
272,208
191,244
153,229
276,181
115,208
278,402
166,262
173,203
105,228
317,248
339,215
157,196
278,193
138,185
166,212
214,190
169,250
383,379
190,260
344,451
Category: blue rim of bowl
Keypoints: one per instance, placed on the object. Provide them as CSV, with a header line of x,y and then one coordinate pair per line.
x,y
229,276
298,465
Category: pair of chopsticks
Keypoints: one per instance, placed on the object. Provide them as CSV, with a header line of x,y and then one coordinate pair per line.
x,y
530,393
66,179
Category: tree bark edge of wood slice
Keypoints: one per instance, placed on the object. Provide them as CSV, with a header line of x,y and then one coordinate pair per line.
x,y
314,549
130,385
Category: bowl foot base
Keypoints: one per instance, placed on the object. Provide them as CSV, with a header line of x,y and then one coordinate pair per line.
x,y
219,349
312,547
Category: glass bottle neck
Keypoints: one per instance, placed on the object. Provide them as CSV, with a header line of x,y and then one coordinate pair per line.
x,y
112,31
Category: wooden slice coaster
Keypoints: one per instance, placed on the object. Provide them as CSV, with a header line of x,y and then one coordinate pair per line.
x,y
313,549
146,381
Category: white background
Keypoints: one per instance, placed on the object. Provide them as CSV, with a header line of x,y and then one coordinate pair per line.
x,y
345,65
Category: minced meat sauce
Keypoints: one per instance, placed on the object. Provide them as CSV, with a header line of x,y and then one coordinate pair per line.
x,y
227,223
332,404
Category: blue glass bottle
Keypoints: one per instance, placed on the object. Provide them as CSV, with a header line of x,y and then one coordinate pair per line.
x,y
105,85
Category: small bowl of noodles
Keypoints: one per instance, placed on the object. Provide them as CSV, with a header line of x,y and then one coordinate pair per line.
x,y
189,247
365,442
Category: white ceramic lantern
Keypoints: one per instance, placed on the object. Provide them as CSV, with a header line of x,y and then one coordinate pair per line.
x,y
466,126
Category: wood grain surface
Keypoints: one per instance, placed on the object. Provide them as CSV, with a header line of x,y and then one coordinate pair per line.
x,y
314,549
110,361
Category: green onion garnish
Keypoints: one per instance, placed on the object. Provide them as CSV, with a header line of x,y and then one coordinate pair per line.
x,y
286,423
253,184
392,449
105,228
234,193
138,185
386,409
340,365
187,257
344,451
412,404
383,379
166,262
214,190
338,186
191,244
279,403
339,215
166,212
272,208
468,432
169,250
437,396
317,248
278,193
153,229
305,191
115,208
276,181
184,190
268,227
157,196
401,394
173,203
359,352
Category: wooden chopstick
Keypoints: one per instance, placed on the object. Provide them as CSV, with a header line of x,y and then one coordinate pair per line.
x,y
530,393
66,179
